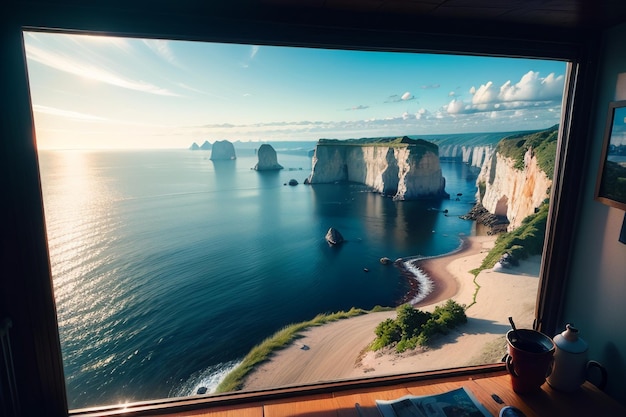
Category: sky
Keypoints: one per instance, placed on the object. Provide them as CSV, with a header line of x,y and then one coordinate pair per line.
x,y
97,92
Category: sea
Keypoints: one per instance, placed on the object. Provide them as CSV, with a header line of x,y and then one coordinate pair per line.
x,y
169,267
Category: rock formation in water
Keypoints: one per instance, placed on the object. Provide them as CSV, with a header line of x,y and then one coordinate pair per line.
x,y
223,149
515,186
333,237
206,146
496,224
402,168
267,159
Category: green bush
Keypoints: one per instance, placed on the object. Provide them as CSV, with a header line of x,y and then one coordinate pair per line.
x,y
413,327
411,320
387,332
542,143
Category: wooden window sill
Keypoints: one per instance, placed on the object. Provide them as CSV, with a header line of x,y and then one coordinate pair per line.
x,y
339,399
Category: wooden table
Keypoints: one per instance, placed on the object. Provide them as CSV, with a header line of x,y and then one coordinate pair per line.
x,y
588,401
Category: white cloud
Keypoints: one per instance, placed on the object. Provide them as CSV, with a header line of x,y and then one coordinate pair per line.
x,y
422,114
531,91
254,49
486,93
68,114
455,106
162,49
532,87
395,98
92,72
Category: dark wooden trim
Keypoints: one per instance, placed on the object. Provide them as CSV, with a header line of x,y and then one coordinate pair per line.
x,y
291,27
566,190
26,285
26,288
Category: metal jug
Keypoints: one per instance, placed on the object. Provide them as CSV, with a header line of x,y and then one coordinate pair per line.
x,y
571,366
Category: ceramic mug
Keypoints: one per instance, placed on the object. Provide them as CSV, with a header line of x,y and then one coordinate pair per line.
x,y
529,359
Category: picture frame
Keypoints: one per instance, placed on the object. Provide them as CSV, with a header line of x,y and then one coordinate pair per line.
x,y
611,180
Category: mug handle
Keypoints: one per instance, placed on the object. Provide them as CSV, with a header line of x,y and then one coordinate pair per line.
x,y
508,361
603,373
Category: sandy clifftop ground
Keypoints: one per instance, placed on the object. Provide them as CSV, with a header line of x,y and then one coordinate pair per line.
x,y
337,350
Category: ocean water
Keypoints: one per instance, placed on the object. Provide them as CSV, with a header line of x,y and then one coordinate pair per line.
x,y
168,267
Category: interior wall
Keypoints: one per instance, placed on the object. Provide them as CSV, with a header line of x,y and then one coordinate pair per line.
x,y
594,296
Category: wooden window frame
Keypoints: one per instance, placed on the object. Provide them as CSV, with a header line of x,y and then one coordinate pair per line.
x,y
26,294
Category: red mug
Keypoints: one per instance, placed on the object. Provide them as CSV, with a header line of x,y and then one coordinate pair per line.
x,y
529,359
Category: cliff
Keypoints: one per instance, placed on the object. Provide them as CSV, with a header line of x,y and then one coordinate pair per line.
x,y
475,156
267,160
513,182
402,168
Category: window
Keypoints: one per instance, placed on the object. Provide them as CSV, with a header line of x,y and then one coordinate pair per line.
x,y
170,265
29,298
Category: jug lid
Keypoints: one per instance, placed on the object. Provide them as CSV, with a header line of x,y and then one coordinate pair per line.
x,y
569,341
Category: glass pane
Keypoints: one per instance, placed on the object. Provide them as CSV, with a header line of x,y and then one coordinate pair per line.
x,y
170,264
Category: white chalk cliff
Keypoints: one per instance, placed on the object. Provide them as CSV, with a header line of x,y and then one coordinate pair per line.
x,y
475,156
511,192
404,171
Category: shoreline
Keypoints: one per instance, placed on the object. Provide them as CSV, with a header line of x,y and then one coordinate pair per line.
x,y
428,279
338,350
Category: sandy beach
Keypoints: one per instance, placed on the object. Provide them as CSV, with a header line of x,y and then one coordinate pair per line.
x,y
337,350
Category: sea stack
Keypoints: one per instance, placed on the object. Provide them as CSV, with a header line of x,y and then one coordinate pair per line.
x,y
223,150
267,159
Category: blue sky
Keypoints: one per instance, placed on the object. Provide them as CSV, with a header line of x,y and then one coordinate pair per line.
x,y
106,92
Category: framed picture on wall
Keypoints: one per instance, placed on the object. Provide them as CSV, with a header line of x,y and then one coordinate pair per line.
x,y
611,182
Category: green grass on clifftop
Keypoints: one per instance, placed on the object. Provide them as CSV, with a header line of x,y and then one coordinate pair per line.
x,y
543,144
525,241
383,141
279,340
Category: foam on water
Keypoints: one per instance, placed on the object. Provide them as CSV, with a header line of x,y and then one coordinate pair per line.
x,y
208,378
425,284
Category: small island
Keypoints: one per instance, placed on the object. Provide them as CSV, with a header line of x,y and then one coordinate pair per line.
x,y
267,159
223,150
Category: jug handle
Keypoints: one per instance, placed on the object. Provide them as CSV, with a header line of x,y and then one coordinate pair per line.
x,y
603,373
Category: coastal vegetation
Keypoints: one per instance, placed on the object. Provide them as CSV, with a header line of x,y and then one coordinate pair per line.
x,y
279,340
413,327
521,243
543,144
383,141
